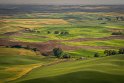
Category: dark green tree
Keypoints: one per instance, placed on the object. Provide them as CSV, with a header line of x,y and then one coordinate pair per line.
x,y
57,52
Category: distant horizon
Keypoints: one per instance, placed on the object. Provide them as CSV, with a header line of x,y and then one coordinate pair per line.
x,y
62,2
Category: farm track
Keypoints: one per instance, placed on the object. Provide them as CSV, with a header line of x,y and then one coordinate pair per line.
x,y
45,65
24,73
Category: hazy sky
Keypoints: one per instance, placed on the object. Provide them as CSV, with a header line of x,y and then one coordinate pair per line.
x,y
61,1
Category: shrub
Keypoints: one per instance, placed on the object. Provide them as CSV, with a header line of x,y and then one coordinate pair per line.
x,y
64,33
117,33
121,51
100,19
45,54
48,32
27,47
109,19
16,46
56,32
103,23
96,55
66,56
38,31
7,46
34,49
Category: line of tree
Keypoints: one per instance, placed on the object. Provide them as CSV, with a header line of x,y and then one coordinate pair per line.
x,y
111,52
118,18
31,30
114,52
27,47
117,33
59,32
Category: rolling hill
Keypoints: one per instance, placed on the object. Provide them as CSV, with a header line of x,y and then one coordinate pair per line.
x,y
95,70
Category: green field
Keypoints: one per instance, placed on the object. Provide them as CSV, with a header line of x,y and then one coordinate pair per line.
x,y
14,63
96,70
98,43
85,36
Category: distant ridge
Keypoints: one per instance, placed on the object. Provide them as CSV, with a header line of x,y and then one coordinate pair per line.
x,y
15,9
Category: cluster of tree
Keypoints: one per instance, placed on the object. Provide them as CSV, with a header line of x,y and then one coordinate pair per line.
x,y
111,52
16,46
100,19
58,52
103,23
58,32
114,52
120,18
27,47
108,19
64,33
105,18
121,51
32,30
117,33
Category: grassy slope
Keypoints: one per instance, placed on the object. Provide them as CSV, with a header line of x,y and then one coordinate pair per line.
x,y
117,42
15,63
85,52
97,70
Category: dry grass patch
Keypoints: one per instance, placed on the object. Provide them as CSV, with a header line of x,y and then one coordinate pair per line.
x,y
14,51
37,21
20,70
